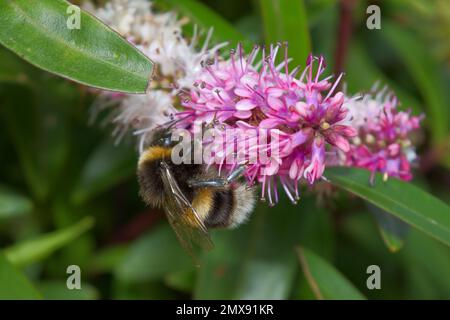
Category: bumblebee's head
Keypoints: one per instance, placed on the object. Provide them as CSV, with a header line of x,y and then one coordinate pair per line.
x,y
162,137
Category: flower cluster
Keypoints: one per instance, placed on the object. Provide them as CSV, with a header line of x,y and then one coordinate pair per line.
x,y
177,60
306,113
314,124
296,118
383,143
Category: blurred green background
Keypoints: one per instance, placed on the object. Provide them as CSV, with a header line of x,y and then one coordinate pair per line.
x,y
69,196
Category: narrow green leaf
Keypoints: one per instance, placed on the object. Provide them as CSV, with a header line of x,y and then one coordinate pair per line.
x,y
39,128
270,255
206,18
108,165
404,200
30,251
13,284
13,204
393,230
425,73
257,261
219,272
15,102
326,282
318,8
286,21
360,247
93,54
426,262
153,256
250,26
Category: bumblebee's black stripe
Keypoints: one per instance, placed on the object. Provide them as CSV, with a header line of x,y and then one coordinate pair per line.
x,y
149,177
182,173
223,207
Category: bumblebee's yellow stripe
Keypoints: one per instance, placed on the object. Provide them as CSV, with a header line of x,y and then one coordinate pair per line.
x,y
202,203
154,153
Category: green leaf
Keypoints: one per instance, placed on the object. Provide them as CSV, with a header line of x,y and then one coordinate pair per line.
x,y
257,261
206,18
270,255
426,262
286,21
15,101
325,281
250,26
31,251
393,230
360,246
93,54
153,256
404,200
12,70
57,290
13,204
425,73
317,9
107,259
39,129
183,281
13,284
218,276
108,165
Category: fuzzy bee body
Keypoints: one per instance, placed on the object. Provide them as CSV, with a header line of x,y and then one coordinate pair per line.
x,y
191,208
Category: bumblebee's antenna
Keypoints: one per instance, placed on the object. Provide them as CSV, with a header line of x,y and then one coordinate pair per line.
x,y
171,123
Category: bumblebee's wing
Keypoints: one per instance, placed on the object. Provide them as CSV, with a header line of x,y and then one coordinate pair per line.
x,y
182,216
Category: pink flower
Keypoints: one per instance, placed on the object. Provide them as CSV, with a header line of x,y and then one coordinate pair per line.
x,y
302,117
317,165
383,143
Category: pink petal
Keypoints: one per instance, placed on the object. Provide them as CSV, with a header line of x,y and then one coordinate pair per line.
x,y
245,104
241,92
275,103
272,168
342,143
301,108
220,94
301,136
293,170
394,149
274,92
345,130
322,85
244,125
270,123
242,114
250,80
337,99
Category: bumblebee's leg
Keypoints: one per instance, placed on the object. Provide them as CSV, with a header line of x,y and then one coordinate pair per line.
x,y
215,183
218,182
236,174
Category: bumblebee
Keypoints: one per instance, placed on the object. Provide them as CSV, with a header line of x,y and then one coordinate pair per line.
x,y
194,197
